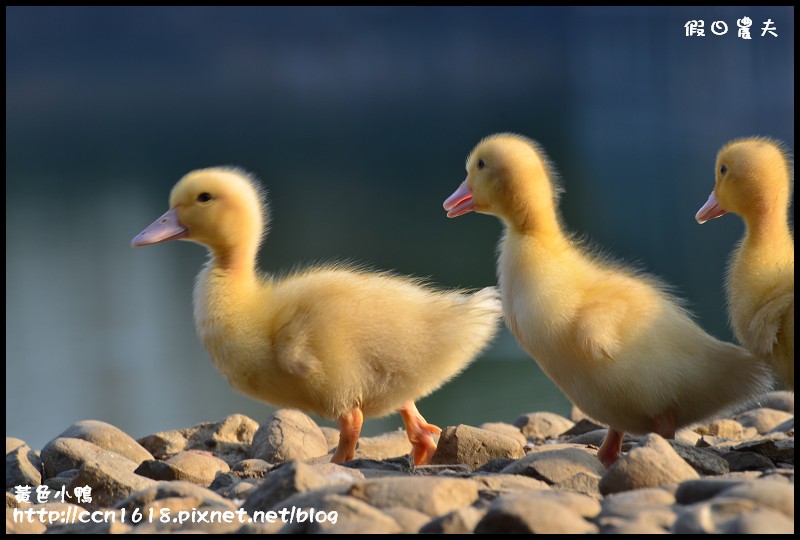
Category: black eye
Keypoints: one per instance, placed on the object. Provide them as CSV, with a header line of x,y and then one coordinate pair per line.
x,y
481,164
204,197
723,169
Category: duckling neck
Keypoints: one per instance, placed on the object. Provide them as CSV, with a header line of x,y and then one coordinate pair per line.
x,y
767,233
229,301
535,219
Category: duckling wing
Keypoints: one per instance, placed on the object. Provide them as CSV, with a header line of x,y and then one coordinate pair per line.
x,y
767,323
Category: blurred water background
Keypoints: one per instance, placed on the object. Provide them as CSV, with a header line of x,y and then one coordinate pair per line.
x,y
358,120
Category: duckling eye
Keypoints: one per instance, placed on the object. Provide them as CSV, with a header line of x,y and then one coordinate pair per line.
x,y
481,164
723,169
204,197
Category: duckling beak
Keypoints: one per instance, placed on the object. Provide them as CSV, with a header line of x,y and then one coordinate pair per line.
x,y
710,210
460,202
164,229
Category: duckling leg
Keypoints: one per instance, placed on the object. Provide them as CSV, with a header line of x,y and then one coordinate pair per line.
x,y
664,425
419,433
609,451
349,431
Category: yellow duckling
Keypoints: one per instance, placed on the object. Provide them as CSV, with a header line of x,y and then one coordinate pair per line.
x,y
754,181
341,342
612,339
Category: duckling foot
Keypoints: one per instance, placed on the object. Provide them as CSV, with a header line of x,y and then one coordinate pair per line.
x,y
420,433
609,451
349,431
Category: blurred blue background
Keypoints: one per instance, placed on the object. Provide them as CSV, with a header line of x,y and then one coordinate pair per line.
x,y
358,120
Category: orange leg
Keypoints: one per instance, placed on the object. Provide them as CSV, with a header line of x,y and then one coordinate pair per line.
x,y
419,433
664,425
349,431
611,447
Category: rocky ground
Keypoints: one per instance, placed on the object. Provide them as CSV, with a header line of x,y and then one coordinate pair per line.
x,y
539,475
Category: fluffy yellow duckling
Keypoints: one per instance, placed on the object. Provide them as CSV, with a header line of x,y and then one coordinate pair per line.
x,y
619,346
754,181
340,342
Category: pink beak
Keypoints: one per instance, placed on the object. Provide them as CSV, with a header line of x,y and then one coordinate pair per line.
x,y
164,229
710,210
460,202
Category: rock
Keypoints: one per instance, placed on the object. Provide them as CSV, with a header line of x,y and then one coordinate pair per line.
x,y
229,439
762,521
165,443
194,467
371,468
639,525
29,521
712,517
767,493
495,465
581,427
528,513
12,443
455,469
763,419
169,491
461,521
177,497
20,523
12,502
584,506
652,464
784,427
746,461
703,461
434,496
687,436
505,429
290,479
727,428
241,489
779,451
109,438
341,514
780,401
596,437
57,485
110,484
585,483
388,445
334,473
693,491
252,468
410,521
508,483
63,454
542,425
288,435
474,447
332,436
554,466
112,523
23,468
234,430
650,507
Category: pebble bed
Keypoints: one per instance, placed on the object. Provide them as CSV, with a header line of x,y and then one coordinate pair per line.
x,y
537,475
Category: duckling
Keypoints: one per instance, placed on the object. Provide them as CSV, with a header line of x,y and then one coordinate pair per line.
x,y
612,339
753,180
338,341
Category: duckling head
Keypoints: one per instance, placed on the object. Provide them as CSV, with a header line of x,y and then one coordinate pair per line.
x,y
751,180
221,208
508,176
